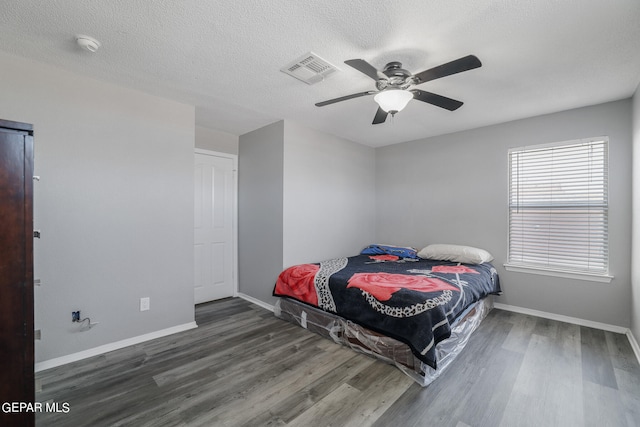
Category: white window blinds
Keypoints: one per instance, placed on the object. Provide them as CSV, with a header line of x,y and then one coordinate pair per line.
x,y
558,206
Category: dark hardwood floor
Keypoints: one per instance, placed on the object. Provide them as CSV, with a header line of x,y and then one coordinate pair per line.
x,y
243,366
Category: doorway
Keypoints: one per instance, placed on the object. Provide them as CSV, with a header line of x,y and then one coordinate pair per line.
x,y
215,226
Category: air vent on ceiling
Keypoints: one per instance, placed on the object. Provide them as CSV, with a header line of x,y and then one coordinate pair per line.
x,y
309,68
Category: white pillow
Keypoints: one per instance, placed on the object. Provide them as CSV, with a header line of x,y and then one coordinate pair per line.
x,y
456,253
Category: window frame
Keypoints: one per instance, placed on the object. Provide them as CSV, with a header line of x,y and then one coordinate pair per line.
x,y
547,270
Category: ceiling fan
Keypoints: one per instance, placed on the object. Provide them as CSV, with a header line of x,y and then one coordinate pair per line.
x,y
394,83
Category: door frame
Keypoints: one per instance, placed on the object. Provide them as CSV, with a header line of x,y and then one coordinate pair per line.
x,y
234,214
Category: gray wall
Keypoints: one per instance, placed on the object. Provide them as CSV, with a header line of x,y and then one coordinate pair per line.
x,y
635,263
329,200
453,189
215,140
260,207
115,205
304,196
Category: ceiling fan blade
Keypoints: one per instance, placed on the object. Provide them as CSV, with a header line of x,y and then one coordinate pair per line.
x,y
380,117
344,98
365,68
437,100
459,65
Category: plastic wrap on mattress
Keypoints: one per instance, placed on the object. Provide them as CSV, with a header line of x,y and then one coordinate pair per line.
x,y
325,324
382,347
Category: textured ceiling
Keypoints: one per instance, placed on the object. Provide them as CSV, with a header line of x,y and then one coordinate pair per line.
x,y
224,56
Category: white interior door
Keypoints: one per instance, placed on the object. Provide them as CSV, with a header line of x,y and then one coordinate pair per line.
x,y
214,244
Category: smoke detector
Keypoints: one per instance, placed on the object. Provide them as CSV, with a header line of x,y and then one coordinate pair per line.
x,y
87,43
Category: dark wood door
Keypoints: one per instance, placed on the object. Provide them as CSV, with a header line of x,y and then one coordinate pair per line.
x,y
16,272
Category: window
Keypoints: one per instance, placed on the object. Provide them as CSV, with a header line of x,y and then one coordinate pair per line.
x,y
558,208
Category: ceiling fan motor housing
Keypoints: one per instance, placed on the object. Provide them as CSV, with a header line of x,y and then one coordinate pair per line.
x,y
397,77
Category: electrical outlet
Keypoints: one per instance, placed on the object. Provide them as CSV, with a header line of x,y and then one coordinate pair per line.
x,y
75,316
145,304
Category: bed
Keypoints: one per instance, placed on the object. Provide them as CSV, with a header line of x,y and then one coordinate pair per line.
x,y
413,309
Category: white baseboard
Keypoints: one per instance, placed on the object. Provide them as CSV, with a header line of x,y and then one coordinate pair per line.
x,y
531,312
561,318
58,361
255,301
634,344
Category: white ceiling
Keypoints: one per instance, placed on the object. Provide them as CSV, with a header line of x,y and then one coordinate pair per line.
x,y
224,56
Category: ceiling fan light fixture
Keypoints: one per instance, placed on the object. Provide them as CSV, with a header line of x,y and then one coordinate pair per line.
x,y
393,100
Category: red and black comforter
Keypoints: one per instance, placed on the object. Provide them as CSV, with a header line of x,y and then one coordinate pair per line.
x,y
413,301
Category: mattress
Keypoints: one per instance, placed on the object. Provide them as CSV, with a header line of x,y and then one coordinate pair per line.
x,y
415,301
387,349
